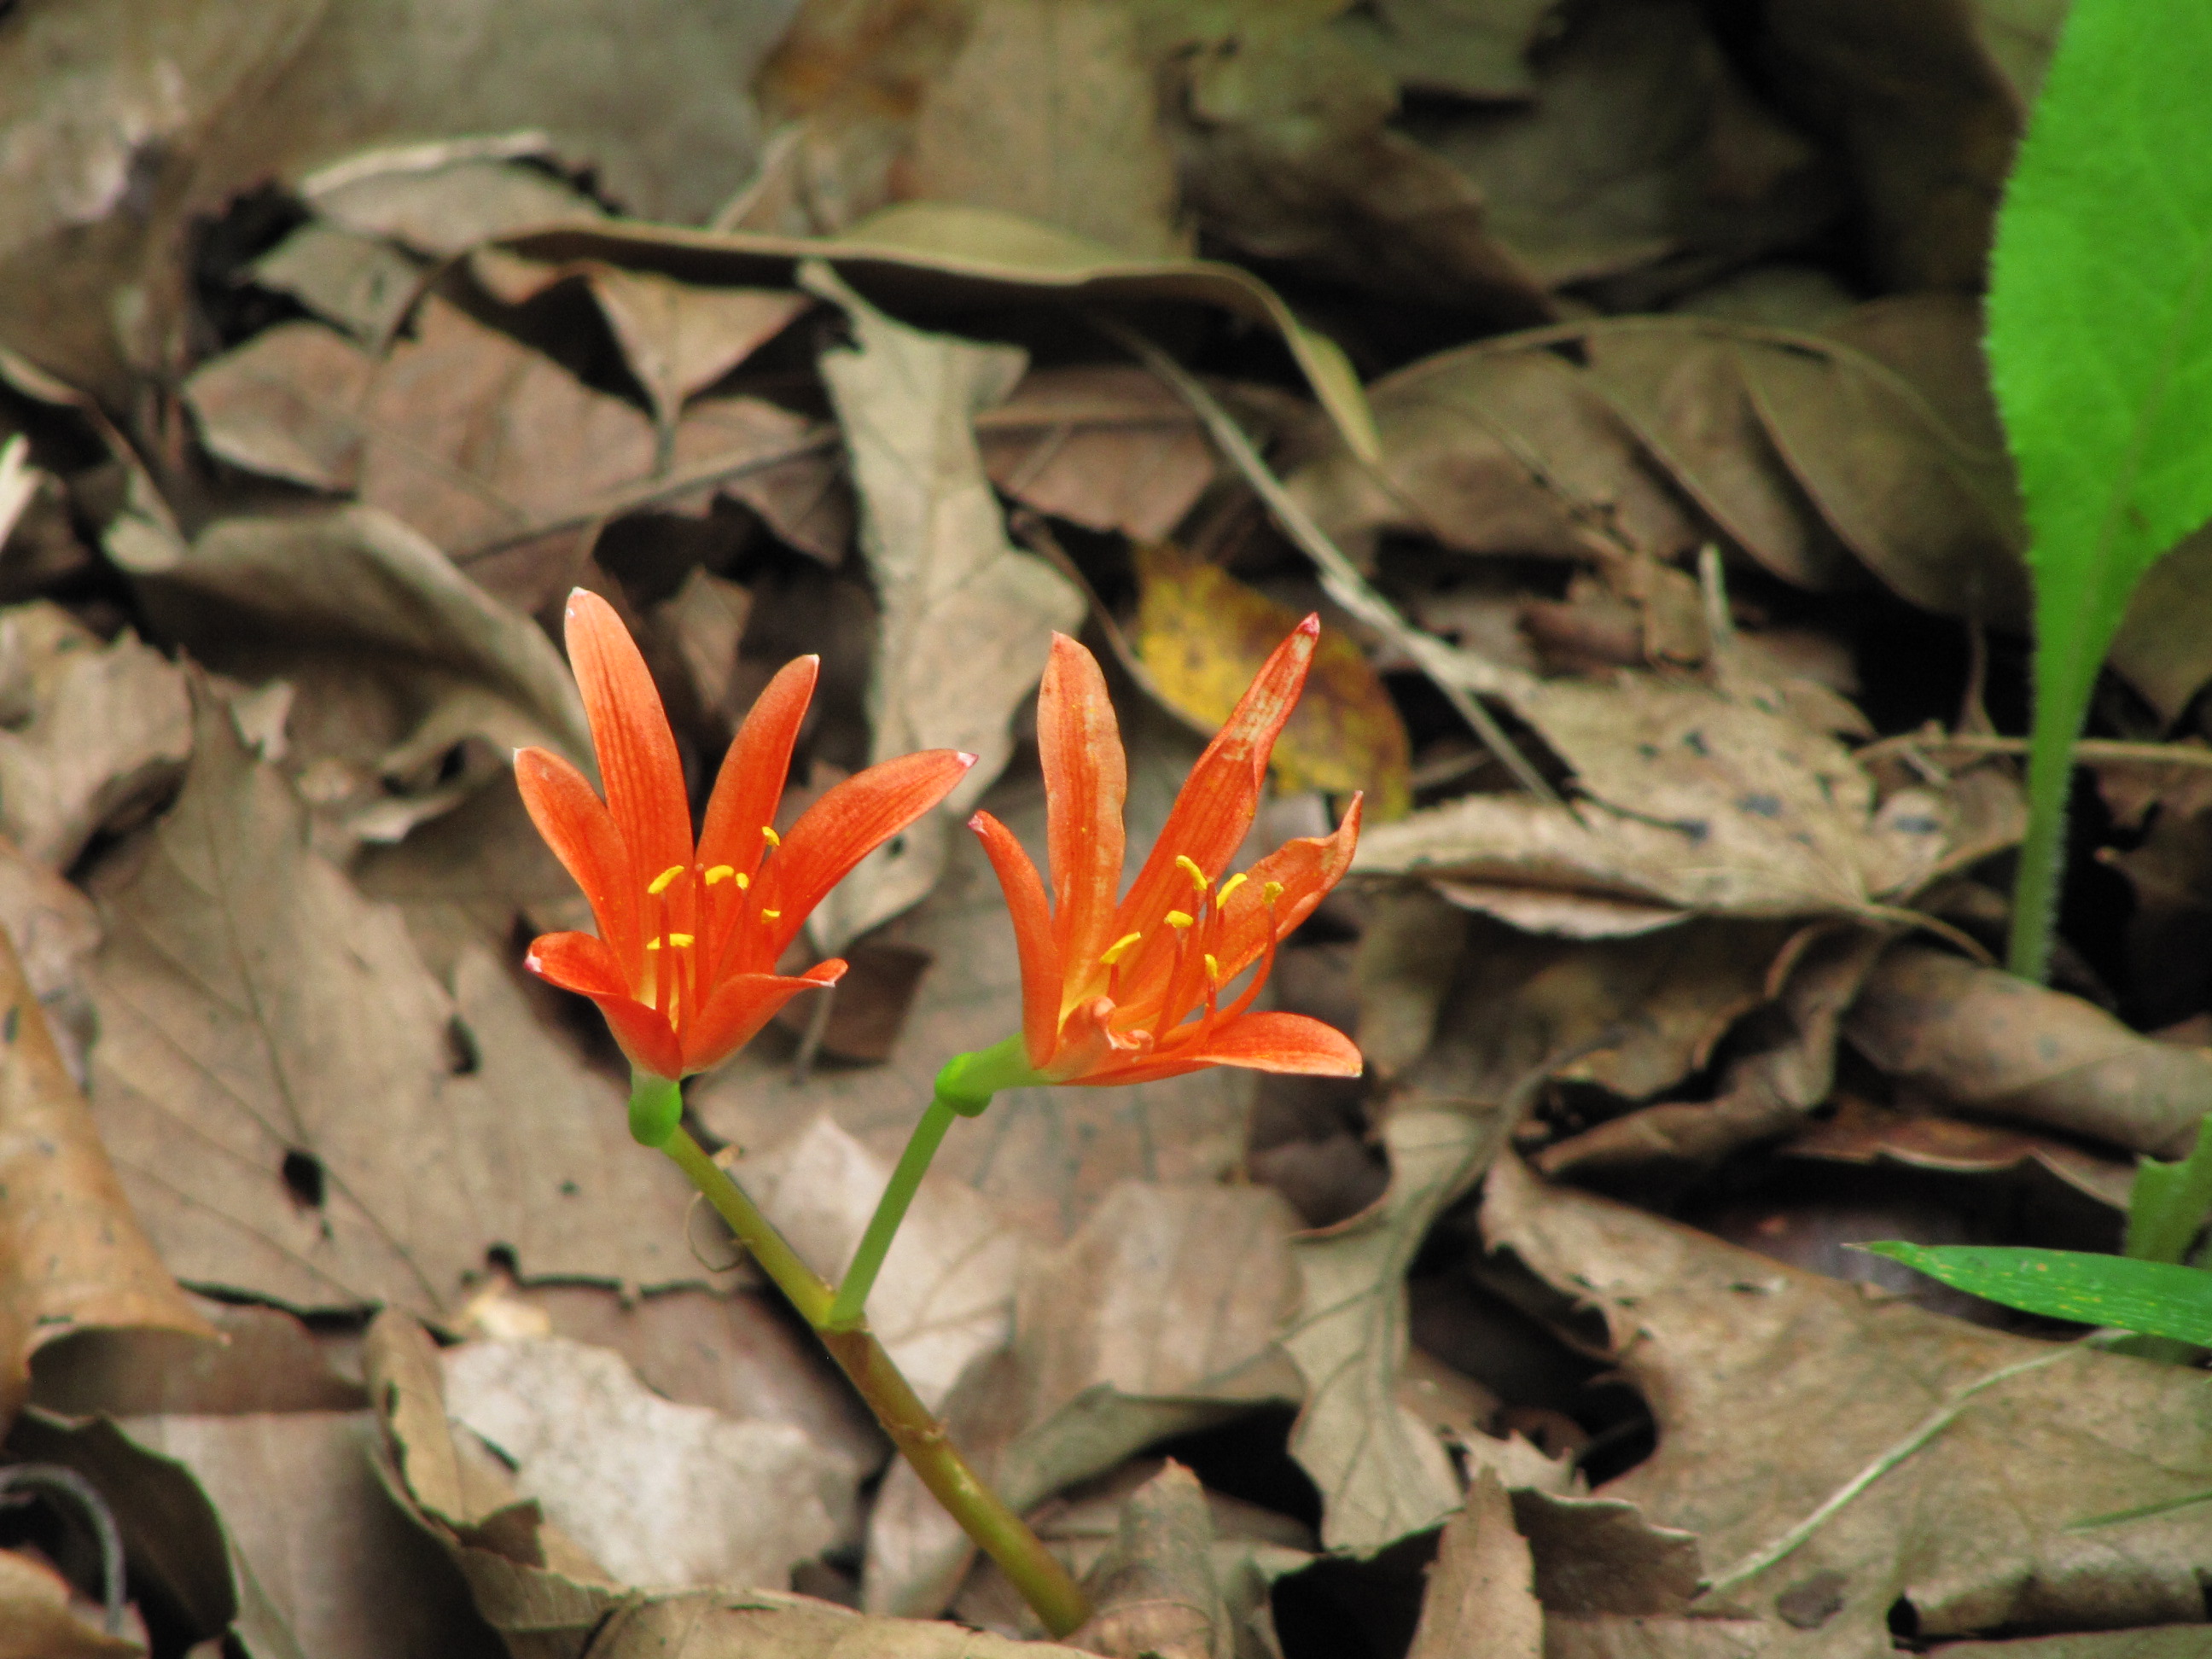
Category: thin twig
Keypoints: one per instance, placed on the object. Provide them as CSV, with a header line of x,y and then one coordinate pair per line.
x,y
1339,578
2089,751
1760,1560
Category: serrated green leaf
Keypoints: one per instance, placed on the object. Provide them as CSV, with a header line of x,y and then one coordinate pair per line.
x,y
2156,1298
2100,351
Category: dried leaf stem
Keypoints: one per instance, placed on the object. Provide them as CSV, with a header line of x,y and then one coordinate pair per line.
x,y
996,1529
1938,1420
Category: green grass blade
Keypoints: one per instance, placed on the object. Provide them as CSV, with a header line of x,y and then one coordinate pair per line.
x,y
2156,1298
2169,1201
2101,351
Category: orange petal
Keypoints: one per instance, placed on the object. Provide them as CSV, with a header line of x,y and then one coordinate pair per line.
x,y
753,773
1259,1043
740,1006
1089,1050
1212,815
1039,951
1086,781
1307,867
846,825
638,762
579,962
576,826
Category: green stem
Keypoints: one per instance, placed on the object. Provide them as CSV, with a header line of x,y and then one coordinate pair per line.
x,y
2061,705
851,1302
983,1515
808,1290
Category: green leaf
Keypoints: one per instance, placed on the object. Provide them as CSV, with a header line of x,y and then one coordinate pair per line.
x,y
2101,349
2169,1202
2157,1297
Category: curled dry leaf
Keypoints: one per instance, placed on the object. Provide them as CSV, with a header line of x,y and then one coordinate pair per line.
x,y
248,992
1984,1040
1863,1133
76,1259
1773,1388
966,617
37,1622
658,1493
91,730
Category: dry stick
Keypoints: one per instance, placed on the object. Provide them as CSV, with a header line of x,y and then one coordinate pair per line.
x,y
982,1513
1760,1560
1339,577
2089,750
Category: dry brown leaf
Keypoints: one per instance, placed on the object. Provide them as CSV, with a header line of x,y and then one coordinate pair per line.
x,y
1863,1133
36,1620
1280,131
1153,1594
94,730
1050,110
1471,49
1159,1316
1643,160
354,1134
77,1257
1984,1040
947,1286
1480,1603
1383,1472
1106,446
55,930
267,1361
1202,635
966,617
658,1493
1927,102
533,1585
362,283
323,1561
1773,1387
438,199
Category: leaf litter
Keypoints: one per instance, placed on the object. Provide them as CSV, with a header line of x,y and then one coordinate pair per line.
x,y
1610,381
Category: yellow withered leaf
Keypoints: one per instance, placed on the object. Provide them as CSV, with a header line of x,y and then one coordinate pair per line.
x,y
1202,634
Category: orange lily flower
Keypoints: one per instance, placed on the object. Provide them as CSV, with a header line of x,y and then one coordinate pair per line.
x,y
684,967
1129,990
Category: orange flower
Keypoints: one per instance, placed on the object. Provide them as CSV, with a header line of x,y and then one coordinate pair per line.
x,y
1128,991
684,967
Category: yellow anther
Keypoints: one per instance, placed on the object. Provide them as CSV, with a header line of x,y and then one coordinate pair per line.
x,y
1176,920
1120,948
722,872
1189,867
1271,890
679,941
653,945
770,836
769,915
659,884
1213,968
1229,887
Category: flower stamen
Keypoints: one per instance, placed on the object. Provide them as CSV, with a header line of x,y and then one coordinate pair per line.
x,y
1112,955
659,884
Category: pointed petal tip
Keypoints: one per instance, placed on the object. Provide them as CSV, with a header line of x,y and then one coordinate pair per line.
x,y
1310,625
966,759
